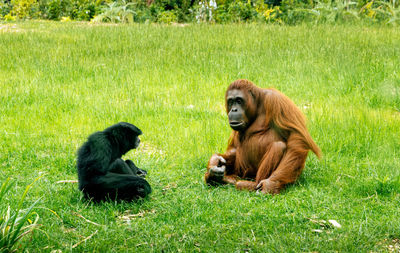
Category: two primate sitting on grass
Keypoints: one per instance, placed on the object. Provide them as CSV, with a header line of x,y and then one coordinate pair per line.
x,y
268,148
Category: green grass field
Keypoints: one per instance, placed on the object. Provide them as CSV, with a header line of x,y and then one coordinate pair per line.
x,y
59,82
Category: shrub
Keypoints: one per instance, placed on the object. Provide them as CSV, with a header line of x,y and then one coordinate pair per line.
x,y
15,224
334,11
241,11
180,10
23,8
227,11
116,12
293,11
84,9
9,17
57,9
221,15
382,12
75,9
235,11
167,17
5,8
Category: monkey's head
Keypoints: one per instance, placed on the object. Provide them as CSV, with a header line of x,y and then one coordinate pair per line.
x,y
126,135
241,104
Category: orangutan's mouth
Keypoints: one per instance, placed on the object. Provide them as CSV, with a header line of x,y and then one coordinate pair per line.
x,y
236,124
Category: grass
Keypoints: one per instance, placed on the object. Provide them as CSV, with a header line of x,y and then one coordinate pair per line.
x,y
59,82
12,222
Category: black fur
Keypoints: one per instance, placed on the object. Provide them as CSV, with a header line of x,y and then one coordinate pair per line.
x,y
101,171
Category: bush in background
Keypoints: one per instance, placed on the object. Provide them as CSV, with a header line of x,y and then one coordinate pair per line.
x,y
116,12
75,9
214,11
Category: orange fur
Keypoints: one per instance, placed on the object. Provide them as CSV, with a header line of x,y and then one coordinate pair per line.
x,y
272,150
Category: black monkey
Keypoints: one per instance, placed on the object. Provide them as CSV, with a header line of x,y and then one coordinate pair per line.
x,y
101,171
